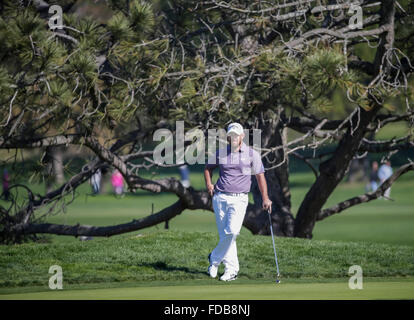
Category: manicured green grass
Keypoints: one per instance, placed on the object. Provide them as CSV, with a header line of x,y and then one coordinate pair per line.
x,y
181,256
231,291
158,264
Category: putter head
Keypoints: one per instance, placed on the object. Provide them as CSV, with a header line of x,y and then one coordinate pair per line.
x,y
277,278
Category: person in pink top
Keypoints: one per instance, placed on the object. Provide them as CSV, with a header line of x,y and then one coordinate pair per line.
x,y
117,182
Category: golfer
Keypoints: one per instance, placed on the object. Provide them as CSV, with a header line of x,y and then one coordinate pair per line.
x,y
230,197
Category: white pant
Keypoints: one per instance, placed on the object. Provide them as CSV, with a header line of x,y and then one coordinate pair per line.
x,y
229,211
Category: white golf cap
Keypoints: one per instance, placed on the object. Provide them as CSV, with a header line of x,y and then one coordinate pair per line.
x,y
235,128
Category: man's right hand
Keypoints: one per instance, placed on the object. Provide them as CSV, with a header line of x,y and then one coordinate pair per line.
x,y
210,189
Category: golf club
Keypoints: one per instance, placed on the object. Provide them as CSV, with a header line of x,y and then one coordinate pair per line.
x,y
274,247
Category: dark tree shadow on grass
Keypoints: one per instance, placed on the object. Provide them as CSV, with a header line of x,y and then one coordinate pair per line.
x,y
161,265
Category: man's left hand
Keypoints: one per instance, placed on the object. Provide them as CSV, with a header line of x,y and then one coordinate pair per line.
x,y
267,205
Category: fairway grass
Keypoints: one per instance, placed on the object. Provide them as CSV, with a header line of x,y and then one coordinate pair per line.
x,y
173,265
338,290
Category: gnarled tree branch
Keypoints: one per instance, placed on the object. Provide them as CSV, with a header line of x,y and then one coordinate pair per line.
x,y
367,196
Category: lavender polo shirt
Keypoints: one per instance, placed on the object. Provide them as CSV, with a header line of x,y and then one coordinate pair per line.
x,y
236,168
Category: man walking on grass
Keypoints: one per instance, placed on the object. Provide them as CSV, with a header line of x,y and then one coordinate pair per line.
x,y
230,197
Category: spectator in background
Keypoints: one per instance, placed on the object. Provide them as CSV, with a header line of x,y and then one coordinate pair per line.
x,y
6,184
96,181
105,178
384,172
185,175
117,182
373,178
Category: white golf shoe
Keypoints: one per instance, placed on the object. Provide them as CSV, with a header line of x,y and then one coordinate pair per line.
x,y
212,271
229,276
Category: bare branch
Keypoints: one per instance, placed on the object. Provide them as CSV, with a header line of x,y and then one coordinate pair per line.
x,y
107,231
65,36
404,143
59,140
367,196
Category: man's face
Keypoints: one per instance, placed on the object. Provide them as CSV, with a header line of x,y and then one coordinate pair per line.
x,y
234,140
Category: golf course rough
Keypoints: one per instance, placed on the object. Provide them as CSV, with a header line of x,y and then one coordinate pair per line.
x,y
172,265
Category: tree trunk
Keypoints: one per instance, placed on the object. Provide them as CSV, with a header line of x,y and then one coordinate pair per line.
x,y
257,221
57,164
333,170
48,169
53,161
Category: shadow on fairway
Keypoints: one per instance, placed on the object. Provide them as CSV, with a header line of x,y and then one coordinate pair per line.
x,y
160,265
